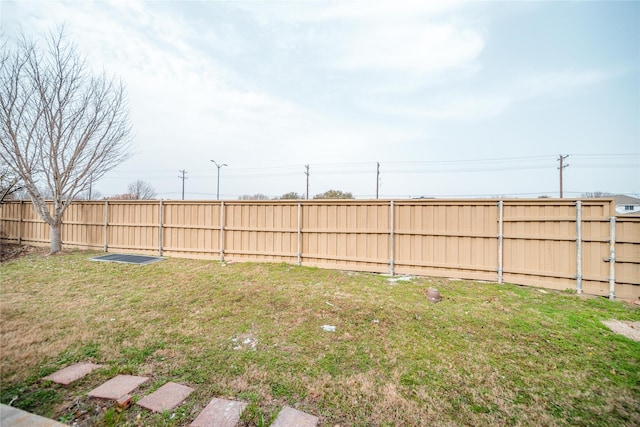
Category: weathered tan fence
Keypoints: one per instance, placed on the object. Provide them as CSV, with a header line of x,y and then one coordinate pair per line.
x,y
551,243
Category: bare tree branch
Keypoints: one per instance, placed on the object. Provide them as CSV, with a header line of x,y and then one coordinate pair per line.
x,y
9,183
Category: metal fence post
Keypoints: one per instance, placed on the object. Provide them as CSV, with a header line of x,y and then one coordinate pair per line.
x,y
392,238
106,225
578,247
222,231
299,233
160,233
500,238
612,258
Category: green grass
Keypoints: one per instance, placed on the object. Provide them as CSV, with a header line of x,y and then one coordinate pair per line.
x,y
488,354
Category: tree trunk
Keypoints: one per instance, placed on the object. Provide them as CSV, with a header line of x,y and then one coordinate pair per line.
x,y
56,241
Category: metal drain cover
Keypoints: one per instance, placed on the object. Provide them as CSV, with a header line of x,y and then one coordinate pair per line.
x,y
128,259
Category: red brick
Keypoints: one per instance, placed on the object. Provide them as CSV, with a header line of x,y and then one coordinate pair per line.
x,y
124,402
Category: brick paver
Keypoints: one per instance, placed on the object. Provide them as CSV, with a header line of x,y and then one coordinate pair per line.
x,y
72,373
220,413
117,387
290,417
166,397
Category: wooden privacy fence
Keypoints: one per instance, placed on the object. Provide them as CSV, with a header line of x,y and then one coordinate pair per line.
x,y
551,243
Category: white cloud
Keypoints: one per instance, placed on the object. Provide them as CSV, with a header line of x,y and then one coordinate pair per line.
x,y
492,102
417,48
313,11
408,36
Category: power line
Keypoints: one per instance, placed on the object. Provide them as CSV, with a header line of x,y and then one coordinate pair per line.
x,y
281,170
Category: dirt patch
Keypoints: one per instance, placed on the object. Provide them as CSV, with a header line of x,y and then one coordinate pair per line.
x,y
9,251
630,330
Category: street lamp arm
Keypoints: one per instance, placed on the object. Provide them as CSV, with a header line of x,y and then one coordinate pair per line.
x,y
217,165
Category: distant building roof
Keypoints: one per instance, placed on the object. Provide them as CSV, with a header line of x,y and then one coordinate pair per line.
x,y
621,199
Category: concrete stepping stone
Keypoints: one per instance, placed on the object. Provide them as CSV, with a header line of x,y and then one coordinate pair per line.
x,y
117,387
14,417
166,397
72,373
220,413
290,417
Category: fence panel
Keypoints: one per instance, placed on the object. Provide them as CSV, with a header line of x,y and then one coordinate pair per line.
x,y
595,246
347,235
83,225
191,229
627,262
540,243
133,226
441,238
11,221
34,230
261,231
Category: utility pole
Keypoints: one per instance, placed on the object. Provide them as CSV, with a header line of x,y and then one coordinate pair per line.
x,y
307,174
90,185
561,167
218,166
183,177
377,178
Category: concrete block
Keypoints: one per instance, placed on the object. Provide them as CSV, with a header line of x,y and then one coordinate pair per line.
x,y
220,413
290,417
71,373
166,397
117,387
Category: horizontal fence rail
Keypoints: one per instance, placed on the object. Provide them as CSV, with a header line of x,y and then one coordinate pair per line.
x,y
551,243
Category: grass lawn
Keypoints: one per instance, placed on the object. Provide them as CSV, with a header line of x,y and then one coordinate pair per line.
x,y
487,354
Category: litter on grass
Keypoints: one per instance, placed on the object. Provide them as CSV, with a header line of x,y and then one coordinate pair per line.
x,y
328,328
244,342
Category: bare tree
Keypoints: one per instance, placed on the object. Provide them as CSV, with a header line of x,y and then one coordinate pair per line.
x,y
89,195
61,127
596,195
125,196
141,190
257,196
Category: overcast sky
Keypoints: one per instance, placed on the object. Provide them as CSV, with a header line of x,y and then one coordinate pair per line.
x,y
451,98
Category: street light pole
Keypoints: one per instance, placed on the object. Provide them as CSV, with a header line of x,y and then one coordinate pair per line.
x,y
218,166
